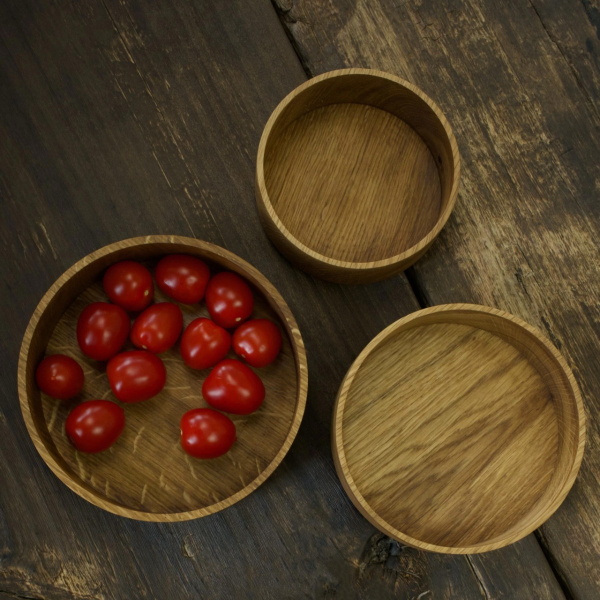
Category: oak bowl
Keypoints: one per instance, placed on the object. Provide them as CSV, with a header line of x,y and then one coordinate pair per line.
x,y
458,429
357,172
146,475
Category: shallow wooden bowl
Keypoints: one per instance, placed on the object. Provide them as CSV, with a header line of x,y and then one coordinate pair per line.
x,y
357,173
146,475
458,429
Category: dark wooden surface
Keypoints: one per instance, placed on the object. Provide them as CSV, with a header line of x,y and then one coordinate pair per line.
x,y
123,118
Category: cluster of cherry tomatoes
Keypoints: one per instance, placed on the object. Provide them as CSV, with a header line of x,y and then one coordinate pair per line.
x,y
138,375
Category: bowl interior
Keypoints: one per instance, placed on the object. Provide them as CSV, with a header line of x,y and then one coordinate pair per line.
x,y
473,421
146,470
358,168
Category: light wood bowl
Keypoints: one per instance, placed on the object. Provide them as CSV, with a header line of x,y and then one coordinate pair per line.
x,y
458,429
146,475
357,172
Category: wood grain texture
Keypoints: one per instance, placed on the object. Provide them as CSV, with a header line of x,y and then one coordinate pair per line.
x,y
354,144
519,82
357,172
120,120
479,426
146,475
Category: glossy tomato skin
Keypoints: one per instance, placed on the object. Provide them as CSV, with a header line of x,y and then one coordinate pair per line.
x,y
157,328
229,299
59,376
136,375
234,388
95,425
204,344
258,342
206,433
182,278
129,284
102,329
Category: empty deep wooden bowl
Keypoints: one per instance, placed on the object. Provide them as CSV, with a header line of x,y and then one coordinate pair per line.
x,y
357,172
146,475
458,429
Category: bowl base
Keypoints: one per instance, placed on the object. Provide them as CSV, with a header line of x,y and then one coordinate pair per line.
x,y
146,470
450,434
353,182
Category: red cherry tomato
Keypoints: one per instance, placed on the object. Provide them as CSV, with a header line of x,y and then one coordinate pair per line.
x,y
95,425
257,341
102,329
136,375
204,344
182,278
229,299
234,388
59,376
158,327
206,433
129,284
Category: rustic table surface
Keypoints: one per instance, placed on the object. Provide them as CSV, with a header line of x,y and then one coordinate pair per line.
x,y
126,117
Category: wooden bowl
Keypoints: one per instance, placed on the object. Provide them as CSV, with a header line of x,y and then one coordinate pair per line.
x,y
146,475
357,173
458,429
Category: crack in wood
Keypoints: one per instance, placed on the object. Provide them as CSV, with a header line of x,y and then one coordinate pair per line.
x,y
554,565
288,22
480,582
593,14
588,99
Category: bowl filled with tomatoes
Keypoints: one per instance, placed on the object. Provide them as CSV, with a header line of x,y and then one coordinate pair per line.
x,y
162,378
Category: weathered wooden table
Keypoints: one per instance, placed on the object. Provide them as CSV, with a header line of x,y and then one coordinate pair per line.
x,y
126,117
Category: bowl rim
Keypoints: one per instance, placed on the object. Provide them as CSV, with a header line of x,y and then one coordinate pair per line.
x,y
260,281
264,199
340,457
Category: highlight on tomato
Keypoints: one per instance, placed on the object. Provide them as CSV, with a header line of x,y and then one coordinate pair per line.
x,y
204,344
136,376
102,329
183,278
59,376
233,387
229,299
129,284
206,433
258,342
157,328
95,425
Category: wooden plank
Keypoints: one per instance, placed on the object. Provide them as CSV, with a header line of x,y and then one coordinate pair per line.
x,y
574,28
124,119
519,82
516,571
